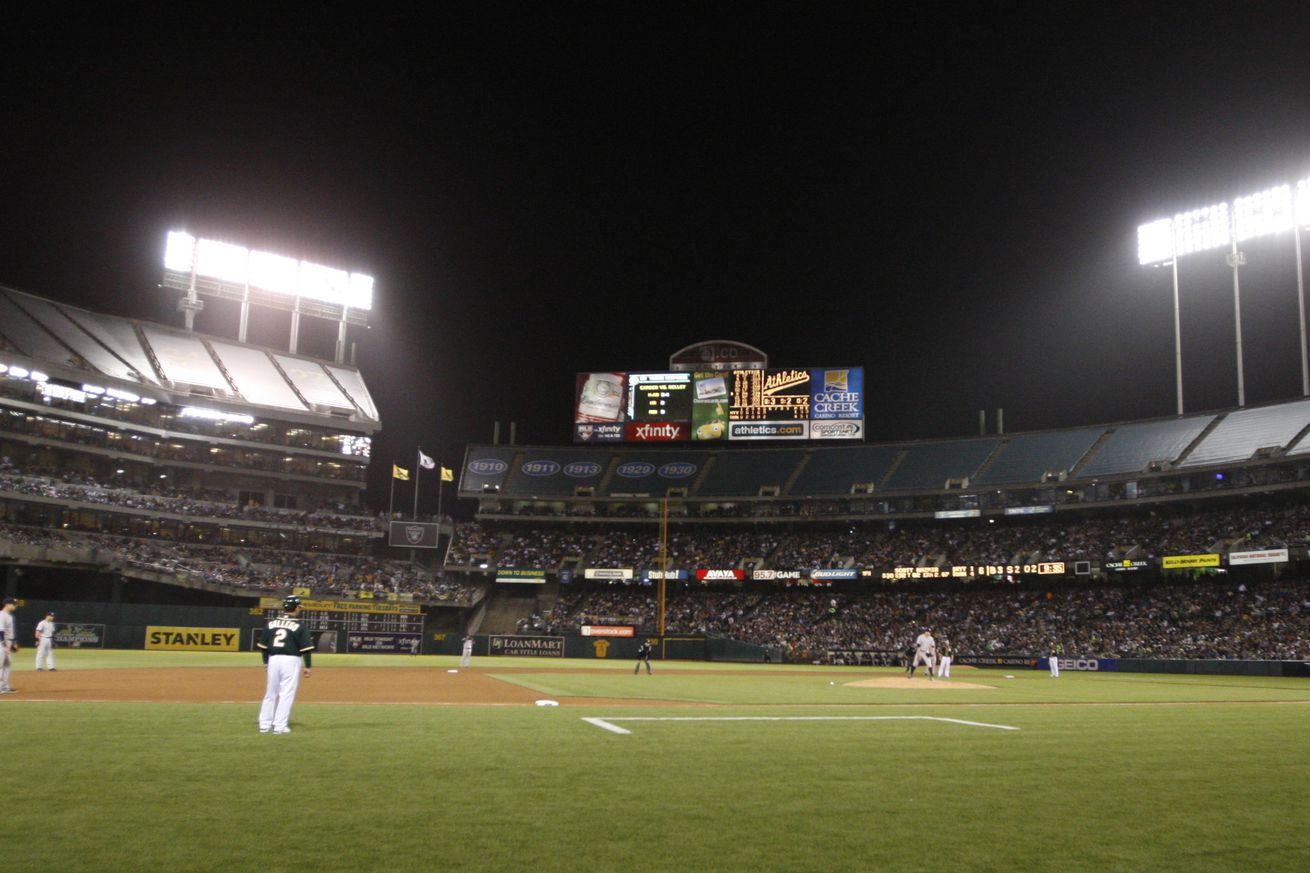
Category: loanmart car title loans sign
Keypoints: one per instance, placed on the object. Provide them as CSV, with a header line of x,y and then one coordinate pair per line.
x,y
825,403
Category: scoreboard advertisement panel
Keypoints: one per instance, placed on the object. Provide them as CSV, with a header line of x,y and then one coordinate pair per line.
x,y
824,403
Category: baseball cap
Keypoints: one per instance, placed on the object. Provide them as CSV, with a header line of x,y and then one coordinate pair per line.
x,y
9,600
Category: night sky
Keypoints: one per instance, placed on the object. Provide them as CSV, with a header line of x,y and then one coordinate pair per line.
x,y
947,195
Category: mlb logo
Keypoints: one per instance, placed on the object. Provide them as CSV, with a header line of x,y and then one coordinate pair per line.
x,y
836,380
584,432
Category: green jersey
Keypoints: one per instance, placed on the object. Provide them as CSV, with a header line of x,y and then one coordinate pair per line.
x,y
287,635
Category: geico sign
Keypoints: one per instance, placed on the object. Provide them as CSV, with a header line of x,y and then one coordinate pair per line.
x,y
1086,664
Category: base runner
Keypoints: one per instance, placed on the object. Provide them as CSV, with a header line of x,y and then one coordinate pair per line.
x,y
286,645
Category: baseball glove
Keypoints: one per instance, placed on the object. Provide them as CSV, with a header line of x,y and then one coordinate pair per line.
x,y
15,647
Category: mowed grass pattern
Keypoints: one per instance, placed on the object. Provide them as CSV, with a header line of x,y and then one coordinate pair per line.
x,y
1216,782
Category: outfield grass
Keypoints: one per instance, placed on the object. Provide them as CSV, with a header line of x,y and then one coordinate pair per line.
x,y
1214,783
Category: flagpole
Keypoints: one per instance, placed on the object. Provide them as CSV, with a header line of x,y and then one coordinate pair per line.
x,y
418,474
391,502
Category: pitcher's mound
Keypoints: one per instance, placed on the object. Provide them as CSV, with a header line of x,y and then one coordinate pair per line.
x,y
918,684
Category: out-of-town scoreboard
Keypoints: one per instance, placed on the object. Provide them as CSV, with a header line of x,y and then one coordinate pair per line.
x,y
356,616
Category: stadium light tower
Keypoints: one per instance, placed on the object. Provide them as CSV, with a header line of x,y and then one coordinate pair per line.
x,y
218,269
1224,225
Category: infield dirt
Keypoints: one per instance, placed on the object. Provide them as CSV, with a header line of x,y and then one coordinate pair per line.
x,y
355,685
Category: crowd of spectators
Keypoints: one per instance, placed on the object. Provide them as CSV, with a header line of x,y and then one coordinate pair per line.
x,y
1145,534
75,487
1196,619
262,570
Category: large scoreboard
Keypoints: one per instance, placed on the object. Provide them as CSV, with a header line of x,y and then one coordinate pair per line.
x,y
825,403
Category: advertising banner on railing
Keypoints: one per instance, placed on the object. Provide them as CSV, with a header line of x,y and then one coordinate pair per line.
x,y
1184,562
529,575
1268,556
608,573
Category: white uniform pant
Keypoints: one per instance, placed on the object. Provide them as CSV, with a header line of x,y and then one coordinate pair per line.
x,y
944,667
6,660
923,658
283,680
466,658
45,654
1055,666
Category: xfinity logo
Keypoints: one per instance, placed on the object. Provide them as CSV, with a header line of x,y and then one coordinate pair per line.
x,y
582,469
635,470
488,466
677,470
540,468
657,431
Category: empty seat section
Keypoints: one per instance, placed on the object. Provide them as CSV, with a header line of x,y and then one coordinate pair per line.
x,y
928,466
1132,446
743,474
1028,457
835,471
1237,437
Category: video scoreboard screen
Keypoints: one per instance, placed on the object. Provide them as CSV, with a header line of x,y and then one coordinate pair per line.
x,y
706,406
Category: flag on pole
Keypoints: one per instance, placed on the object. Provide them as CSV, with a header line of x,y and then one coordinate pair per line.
x,y
425,462
447,474
399,473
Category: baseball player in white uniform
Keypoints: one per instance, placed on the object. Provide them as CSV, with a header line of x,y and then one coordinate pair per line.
x,y
45,642
925,652
8,643
1054,661
944,660
466,654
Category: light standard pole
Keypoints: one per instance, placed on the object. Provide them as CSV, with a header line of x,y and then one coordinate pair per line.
x,y
1300,301
1237,260
1178,338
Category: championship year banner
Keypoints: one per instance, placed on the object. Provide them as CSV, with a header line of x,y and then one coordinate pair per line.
x,y
526,647
193,639
413,534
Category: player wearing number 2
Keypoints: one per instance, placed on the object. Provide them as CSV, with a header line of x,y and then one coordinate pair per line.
x,y
287,645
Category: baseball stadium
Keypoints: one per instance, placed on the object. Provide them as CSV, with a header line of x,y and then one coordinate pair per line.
x,y
1125,608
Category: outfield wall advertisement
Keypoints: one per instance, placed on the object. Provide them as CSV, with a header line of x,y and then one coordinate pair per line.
x,y
526,647
193,639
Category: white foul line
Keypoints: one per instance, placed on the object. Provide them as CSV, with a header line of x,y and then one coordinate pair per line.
x,y
608,724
